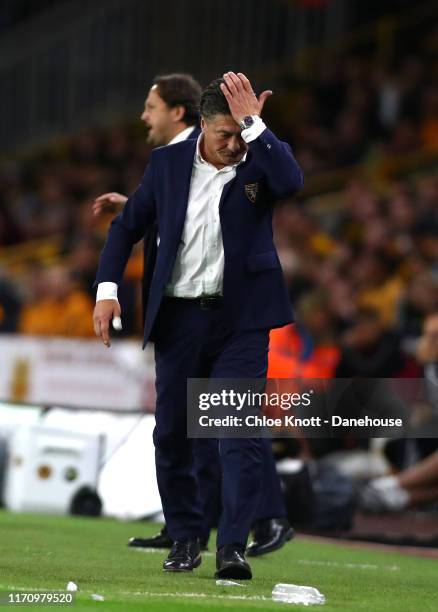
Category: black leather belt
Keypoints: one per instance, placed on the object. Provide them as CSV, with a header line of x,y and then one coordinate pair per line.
x,y
205,302
210,302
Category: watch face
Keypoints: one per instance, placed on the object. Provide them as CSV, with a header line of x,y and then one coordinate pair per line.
x,y
248,121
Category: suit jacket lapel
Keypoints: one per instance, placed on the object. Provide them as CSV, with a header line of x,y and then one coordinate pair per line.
x,y
226,190
181,186
194,133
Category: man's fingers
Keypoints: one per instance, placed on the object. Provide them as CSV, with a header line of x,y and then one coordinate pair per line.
x,y
245,82
263,97
230,83
104,332
236,81
101,330
226,91
105,196
96,326
97,205
101,203
108,202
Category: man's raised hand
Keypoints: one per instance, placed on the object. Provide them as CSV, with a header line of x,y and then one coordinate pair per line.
x,y
240,96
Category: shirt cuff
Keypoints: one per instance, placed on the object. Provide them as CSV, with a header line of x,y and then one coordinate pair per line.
x,y
106,291
254,130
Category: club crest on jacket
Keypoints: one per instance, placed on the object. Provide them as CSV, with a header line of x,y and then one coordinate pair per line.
x,y
251,191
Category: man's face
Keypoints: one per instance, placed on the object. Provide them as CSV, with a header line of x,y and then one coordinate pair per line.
x,y
223,144
158,118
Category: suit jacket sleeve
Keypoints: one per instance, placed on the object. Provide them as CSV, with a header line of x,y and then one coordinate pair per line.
x,y
283,175
126,229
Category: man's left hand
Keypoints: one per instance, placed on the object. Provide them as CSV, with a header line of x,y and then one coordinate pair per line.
x,y
240,96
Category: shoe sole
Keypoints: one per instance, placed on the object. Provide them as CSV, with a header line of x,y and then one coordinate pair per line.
x,y
196,563
233,572
287,538
140,543
133,544
164,548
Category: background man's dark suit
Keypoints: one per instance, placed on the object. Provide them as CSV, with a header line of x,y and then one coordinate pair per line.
x,y
150,247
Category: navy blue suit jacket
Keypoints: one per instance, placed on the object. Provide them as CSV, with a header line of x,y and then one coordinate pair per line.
x,y
254,289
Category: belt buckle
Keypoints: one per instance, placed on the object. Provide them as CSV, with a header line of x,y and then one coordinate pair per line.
x,y
208,302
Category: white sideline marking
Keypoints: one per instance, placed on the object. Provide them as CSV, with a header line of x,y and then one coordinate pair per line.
x,y
11,587
152,594
391,568
197,595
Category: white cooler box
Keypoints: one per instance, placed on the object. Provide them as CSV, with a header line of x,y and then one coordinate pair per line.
x,y
49,470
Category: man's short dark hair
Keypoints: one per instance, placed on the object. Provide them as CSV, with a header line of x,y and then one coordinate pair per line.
x,y
213,101
180,90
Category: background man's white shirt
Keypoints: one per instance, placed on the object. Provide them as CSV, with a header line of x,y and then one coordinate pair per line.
x,y
182,135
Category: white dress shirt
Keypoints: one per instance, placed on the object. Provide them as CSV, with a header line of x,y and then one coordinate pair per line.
x,y
182,135
199,264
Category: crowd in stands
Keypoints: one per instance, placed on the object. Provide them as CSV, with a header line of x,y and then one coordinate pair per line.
x,y
367,274
357,107
362,271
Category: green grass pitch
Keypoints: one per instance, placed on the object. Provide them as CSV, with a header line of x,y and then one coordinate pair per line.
x,y
45,553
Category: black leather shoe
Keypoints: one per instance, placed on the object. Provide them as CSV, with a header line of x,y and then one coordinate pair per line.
x,y
161,540
269,535
231,563
183,557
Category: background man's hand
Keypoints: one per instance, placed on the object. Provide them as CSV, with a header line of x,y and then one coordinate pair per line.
x,y
104,312
241,97
427,350
109,202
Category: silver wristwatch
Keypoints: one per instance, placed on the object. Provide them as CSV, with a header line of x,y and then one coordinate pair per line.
x,y
248,121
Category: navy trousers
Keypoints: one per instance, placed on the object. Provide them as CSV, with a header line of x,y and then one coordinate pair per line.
x,y
195,343
208,472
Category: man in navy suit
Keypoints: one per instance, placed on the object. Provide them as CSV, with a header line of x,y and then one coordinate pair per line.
x,y
216,291
171,114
